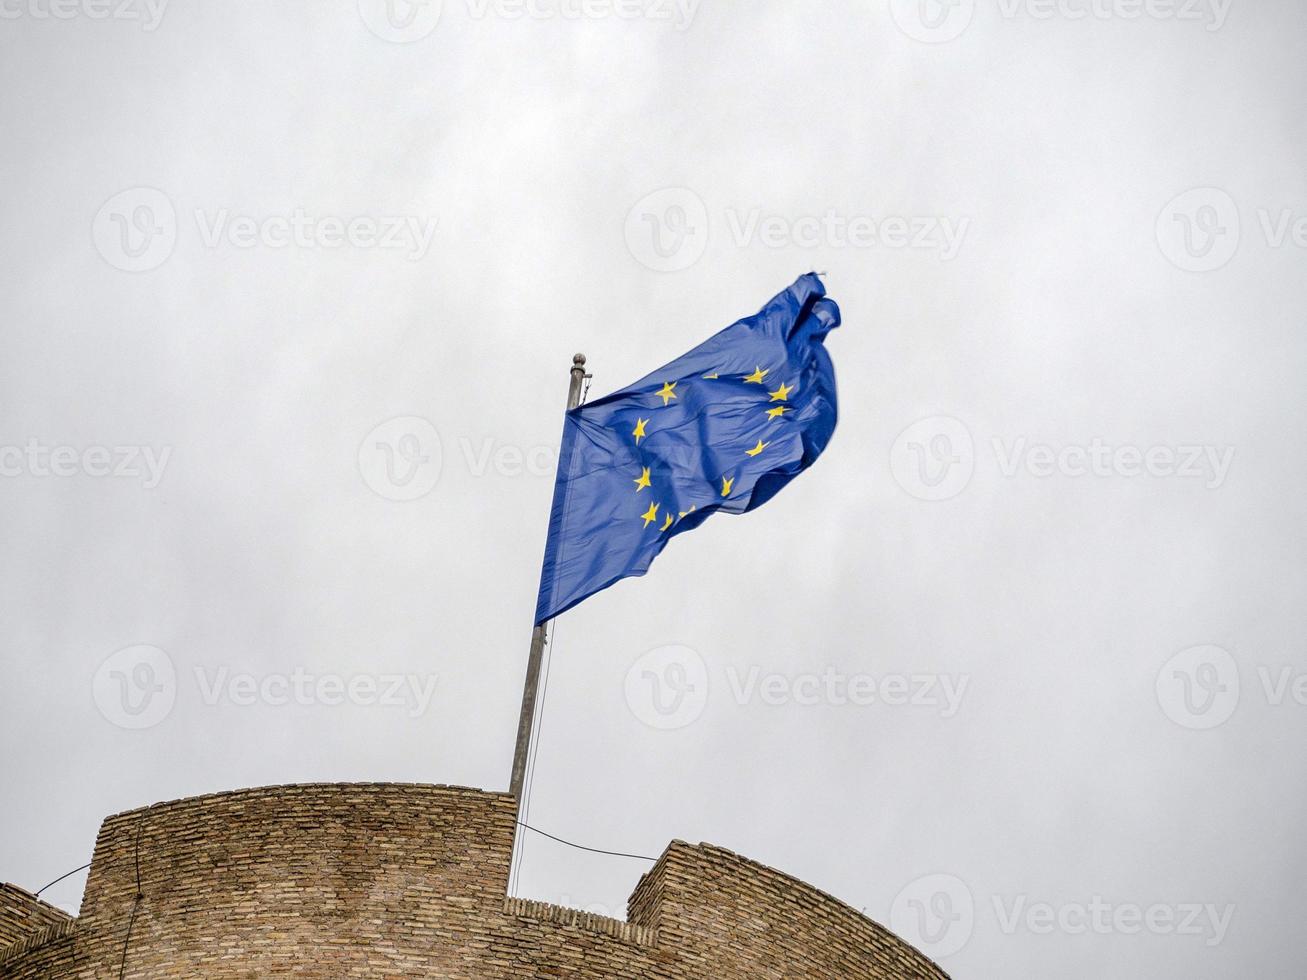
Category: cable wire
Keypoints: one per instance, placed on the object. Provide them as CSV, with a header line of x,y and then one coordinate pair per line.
x,y
37,893
592,850
136,902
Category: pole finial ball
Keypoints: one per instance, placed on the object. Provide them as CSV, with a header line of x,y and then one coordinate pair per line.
x,y
579,360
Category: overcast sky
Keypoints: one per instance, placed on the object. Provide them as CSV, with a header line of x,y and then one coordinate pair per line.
x,y
289,297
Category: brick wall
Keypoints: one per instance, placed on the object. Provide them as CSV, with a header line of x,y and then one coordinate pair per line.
x,y
22,913
391,881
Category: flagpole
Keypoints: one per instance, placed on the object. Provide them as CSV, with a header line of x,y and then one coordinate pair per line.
x,y
526,721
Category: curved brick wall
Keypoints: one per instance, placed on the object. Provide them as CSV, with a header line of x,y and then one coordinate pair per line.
x,y
391,881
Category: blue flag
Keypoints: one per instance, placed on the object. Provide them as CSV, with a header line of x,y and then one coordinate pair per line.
x,y
721,428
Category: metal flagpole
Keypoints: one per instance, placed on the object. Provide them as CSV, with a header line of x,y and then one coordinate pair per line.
x,y
526,721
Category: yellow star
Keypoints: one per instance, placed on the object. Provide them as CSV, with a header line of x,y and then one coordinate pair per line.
x,y
782,393
757,449
650,515
757,376
668,392
639,432
643,482
692,509
667,523
777,412
727,483
711,377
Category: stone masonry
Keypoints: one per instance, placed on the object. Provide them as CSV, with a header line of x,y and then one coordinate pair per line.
x,y
387,881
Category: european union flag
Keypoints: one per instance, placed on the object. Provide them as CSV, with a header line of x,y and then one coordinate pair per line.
x,y
721,428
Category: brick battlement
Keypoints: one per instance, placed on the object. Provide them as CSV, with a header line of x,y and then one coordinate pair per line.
x,y
525,908
390,881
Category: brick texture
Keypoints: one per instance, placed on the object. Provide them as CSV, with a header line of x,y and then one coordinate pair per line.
x,y
388,881
22,914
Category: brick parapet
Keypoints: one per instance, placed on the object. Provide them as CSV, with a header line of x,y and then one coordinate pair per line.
x,y
525,908
22,914
376,881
